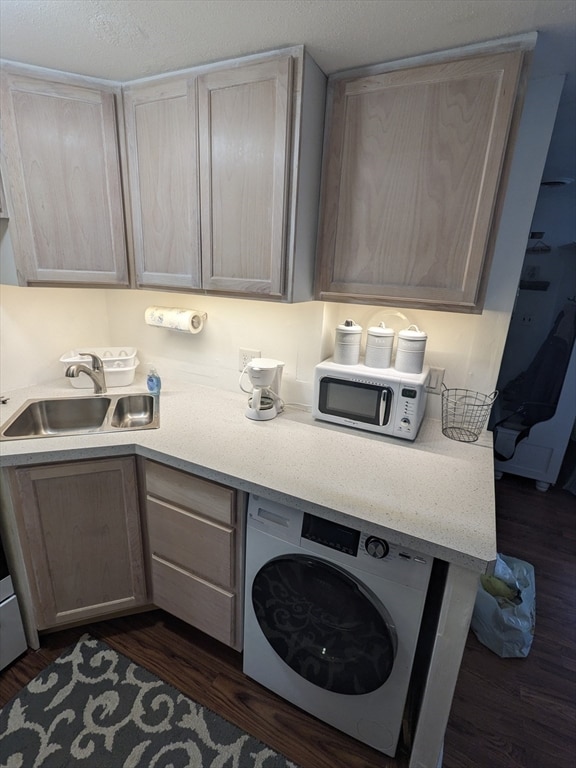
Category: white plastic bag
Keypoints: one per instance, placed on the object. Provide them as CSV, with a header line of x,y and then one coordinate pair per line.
x,y
503,625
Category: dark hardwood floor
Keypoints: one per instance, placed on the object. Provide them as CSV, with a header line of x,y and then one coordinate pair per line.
x,y
507,713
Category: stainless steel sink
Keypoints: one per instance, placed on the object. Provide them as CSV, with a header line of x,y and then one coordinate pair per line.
x,y
52,417
133,412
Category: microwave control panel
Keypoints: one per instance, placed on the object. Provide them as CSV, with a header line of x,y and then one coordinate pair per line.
x,y
407,411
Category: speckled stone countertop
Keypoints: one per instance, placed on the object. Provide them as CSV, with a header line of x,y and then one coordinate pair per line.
x,y
434,495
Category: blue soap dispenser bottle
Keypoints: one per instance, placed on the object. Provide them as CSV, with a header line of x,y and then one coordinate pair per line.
x,y
153,381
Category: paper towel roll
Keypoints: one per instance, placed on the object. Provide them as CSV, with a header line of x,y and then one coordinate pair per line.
x,y
183,320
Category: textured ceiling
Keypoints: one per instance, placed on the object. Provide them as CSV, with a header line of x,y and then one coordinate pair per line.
x,y
128,39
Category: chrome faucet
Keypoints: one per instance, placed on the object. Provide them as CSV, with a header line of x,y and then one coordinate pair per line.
x,y
96,373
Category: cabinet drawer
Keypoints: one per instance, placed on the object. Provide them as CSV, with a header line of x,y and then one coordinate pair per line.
x,y
192,493
201,546
206,607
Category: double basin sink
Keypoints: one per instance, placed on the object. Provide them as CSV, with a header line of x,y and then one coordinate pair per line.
x,y
59,416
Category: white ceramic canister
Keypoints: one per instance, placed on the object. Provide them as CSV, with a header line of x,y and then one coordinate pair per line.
x,y
379,343
411,349
347,346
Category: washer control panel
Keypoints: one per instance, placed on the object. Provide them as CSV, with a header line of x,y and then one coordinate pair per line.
x,y
354,543
337,542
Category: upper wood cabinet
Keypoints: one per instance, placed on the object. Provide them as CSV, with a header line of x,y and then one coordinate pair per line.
x,y
245,117
224,170
79,524
412,168
209,178
63,177
161,130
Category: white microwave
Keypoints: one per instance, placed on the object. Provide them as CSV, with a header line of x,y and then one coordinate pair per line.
x,y
381,400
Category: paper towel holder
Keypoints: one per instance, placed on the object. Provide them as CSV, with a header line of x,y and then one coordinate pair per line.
x,y
178,319
198,318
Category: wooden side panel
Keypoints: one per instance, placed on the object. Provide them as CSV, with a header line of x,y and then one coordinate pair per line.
x,y
244,119
3,205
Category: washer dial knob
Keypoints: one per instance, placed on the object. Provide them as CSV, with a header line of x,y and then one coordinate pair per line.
x,y
376,547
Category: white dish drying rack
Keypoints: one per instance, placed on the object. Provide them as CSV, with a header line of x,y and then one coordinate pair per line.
x,y
120,365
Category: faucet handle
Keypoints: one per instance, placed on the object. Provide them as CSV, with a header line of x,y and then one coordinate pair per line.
x,y
97,364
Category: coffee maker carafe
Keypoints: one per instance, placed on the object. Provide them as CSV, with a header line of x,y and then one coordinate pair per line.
x,y
265,376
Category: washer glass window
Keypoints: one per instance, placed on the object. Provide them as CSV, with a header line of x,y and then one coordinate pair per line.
x,y
324,624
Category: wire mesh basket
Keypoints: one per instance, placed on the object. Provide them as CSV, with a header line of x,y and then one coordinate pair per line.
x,y
464,413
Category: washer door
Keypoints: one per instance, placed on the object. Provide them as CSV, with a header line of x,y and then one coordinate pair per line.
x,y
326,625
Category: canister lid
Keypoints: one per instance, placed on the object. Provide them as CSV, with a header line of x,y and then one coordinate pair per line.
x,y
349,326
380,330
412,332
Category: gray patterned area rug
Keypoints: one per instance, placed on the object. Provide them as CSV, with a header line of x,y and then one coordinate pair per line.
x,y
94,708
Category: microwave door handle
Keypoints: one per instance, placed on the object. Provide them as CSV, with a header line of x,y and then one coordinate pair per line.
x,y
382,408
385,404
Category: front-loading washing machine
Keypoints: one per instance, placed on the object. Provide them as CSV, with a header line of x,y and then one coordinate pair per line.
x,y
332,617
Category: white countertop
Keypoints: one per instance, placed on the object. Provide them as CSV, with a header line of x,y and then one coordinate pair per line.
x,y
435,495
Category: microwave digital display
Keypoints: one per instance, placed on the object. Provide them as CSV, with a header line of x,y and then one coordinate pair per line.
x,y
369,403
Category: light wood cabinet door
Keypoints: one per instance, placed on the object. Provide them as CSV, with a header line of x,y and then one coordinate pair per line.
x,y
244,132
63,174
161,130
80,527
412,169
195,543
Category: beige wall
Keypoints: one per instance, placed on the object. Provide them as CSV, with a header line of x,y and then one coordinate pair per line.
x,y
39,324
291,333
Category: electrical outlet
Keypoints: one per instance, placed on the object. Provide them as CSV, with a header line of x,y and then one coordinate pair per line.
x,y
245,355
435,381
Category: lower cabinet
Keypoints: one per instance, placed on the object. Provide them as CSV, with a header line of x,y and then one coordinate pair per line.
x,y
195,545
91,550
79,524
